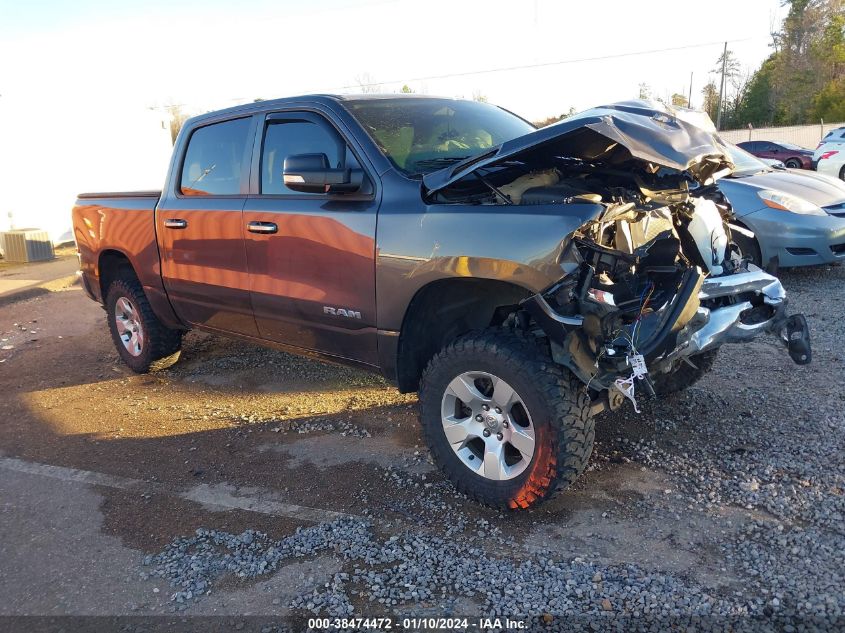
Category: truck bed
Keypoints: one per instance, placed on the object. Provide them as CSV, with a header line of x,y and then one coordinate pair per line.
x,y
118,225
113,195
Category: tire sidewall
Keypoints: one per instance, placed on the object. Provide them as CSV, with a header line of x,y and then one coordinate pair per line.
x,y
117,290
431,397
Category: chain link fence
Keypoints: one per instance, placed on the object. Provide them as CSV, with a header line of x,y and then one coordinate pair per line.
x,y
804,135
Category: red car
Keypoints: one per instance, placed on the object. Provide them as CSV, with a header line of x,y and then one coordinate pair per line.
x,y
792,155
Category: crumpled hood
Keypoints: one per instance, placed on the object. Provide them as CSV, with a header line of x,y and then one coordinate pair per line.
x,y
677,138
821,190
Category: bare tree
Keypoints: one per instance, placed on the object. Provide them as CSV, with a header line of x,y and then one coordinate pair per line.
x,y
680,100
554,119
710,94
477,95
177,120
732,66
367,84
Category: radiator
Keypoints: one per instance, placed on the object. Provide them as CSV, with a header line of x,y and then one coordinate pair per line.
x,y
26,245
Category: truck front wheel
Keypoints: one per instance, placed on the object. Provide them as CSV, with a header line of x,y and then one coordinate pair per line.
x,y
141,340
685,374
505,424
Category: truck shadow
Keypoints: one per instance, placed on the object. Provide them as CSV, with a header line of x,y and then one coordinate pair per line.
x,y
237,417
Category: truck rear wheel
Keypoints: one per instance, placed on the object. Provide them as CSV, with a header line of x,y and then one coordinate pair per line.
x,y
141,340
505,424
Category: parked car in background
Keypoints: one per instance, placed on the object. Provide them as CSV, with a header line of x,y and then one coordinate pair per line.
x,y
791,155
829,157
797,217
831,162
833,140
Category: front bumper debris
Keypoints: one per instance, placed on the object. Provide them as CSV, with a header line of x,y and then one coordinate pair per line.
x,y
737,322
733,308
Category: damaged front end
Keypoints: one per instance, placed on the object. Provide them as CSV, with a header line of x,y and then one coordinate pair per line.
x,y
655,279
620,322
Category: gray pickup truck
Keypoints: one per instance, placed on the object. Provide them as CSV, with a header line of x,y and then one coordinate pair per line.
x,y
521,280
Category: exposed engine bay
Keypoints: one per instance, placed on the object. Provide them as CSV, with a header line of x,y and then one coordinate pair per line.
x,y
654,278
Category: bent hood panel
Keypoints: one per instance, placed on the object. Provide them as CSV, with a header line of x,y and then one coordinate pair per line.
x,y
651,132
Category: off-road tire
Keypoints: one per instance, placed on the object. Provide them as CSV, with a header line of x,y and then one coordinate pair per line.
x,y
685,375
557,401
161,344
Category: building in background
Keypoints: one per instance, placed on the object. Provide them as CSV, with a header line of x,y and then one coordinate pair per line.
x,y
52,151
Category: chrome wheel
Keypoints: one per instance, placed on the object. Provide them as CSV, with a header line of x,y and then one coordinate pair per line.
x,y
128,323
488,425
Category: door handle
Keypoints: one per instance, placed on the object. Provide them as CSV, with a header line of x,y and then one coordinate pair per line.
x,y
262,227
175,224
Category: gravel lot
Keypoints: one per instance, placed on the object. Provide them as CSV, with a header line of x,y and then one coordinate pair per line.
x,y
722,508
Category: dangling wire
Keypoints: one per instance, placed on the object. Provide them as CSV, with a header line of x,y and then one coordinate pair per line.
x,y
644,299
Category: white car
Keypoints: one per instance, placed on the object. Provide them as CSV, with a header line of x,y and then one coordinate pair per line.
x,y
832,163
829,157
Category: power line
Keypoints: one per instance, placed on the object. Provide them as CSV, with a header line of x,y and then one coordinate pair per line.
x,y
488,71
546,64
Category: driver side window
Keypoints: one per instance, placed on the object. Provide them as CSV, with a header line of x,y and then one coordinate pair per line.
x,y
293,136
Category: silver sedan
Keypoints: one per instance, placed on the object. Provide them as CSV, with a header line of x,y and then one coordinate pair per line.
x,y
797,216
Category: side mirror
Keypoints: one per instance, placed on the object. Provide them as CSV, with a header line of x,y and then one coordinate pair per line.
x,y
311,173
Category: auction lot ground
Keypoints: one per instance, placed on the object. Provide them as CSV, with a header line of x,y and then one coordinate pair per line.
x,y
728,499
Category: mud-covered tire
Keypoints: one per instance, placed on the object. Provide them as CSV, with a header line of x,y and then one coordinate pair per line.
x,y
160,346
556,401
684,375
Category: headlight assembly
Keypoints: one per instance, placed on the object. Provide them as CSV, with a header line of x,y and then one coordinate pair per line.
x,y
785,202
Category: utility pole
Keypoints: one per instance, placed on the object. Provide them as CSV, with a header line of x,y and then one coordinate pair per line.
x,y
689,100
721,89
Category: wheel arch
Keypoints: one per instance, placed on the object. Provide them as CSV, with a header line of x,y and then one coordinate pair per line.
x,y
765,253
112,264
444,309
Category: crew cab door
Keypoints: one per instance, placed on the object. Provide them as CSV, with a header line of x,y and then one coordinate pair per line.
x,y
311,257
199,227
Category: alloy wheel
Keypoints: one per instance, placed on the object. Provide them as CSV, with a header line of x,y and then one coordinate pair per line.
x,y
488,425
129,327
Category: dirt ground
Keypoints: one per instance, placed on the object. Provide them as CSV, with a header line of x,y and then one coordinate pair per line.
x,y
234,437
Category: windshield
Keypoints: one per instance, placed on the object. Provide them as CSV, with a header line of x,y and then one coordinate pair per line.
x,y
422,135
746,164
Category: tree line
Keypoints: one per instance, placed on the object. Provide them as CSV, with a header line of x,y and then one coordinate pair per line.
x,y
802,80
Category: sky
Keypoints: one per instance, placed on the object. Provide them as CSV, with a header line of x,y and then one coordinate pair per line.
x,y
78,79
216,53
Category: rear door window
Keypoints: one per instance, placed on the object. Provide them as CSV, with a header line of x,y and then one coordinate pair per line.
x,y
214,159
